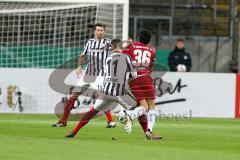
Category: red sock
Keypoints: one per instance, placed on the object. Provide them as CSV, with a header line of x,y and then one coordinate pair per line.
x,y
85,120
67,109
109,116
143,122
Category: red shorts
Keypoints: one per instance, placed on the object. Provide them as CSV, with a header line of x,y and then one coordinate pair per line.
x,y
142,88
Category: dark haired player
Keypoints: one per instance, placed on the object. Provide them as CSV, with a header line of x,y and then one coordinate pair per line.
x,y
143,57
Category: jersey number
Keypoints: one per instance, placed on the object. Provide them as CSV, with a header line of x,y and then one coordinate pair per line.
x,y
115,64
142,58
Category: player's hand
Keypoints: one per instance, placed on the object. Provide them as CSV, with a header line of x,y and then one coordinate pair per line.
x,y
79,71
129,41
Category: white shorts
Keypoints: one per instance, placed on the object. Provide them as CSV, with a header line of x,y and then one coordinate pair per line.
x,y
104,102
95,82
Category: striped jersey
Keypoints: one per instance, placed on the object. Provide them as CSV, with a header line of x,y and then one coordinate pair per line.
x,y
116,72
97,52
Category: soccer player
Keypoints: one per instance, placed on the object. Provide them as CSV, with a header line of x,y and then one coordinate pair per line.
x,y
116,71
143,57
96,50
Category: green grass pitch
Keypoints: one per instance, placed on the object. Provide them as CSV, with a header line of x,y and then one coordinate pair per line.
x,y
31,137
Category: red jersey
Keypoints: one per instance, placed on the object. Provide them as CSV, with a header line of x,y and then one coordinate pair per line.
x,y
143,57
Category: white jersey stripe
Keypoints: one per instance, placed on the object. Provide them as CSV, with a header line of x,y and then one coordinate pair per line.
x,y
97,52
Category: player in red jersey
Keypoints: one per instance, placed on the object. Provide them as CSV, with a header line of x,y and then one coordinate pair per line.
x,y
143,57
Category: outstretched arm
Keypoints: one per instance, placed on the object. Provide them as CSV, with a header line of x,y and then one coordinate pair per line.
x,y
81,59
80,62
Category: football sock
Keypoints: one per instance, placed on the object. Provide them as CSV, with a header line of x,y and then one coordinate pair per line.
x,y
85,119
151,116
67,109
143,122
109,116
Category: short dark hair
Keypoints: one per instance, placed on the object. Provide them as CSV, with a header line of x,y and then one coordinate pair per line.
x,y
180,40
116,43
145,36
99,25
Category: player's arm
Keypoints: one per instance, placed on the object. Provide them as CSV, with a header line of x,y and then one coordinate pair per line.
x,y
80,62
133,72
126,44
81,59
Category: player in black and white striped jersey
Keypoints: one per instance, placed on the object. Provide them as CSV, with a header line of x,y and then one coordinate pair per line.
x,y
117,69
96,50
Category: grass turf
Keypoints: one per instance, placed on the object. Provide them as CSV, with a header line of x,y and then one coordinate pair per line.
x,y
27,136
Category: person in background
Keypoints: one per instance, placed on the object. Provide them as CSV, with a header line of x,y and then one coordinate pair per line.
x,y
179,60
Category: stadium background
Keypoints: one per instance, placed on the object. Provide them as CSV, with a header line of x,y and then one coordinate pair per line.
x,y
210,28
37,38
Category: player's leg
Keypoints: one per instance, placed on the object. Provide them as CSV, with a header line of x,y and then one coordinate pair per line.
x,y
126,116
151,115
140,110
67,109
85,119
149,94
139,94
143,122
100,105
126,103
110,121
131,101
70,104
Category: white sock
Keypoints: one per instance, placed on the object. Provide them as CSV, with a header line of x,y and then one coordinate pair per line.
x,y
151,116
137,112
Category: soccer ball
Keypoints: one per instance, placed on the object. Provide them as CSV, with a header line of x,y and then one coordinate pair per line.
x,y
181,68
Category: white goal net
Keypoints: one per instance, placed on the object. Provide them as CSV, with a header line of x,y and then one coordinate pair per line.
x,y
45,35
